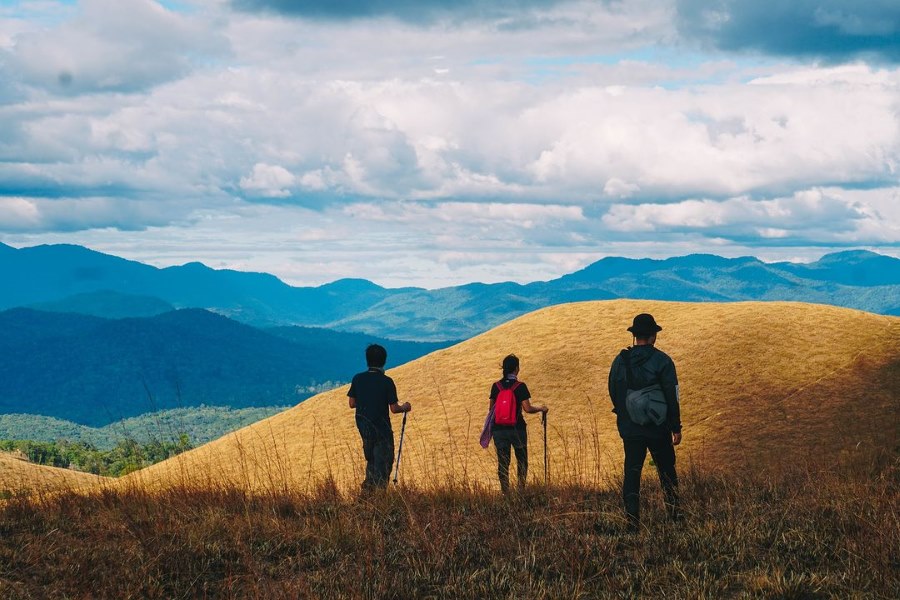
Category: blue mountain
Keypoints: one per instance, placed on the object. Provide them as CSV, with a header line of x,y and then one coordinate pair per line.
x,y
95,371
45,275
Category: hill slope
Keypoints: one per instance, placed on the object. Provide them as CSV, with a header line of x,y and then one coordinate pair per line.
x,y
762,384
19,476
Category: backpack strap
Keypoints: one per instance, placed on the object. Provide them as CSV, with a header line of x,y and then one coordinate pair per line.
x,y
629,375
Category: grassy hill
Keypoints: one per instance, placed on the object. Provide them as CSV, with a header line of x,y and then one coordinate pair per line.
x,y
18,476
766,385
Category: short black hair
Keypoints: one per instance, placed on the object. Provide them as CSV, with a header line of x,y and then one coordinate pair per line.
x,y
376,356
510,364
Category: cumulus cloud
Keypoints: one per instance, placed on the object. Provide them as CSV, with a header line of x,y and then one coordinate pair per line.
x,y
826,215
432,134
834,30
110,45
268,181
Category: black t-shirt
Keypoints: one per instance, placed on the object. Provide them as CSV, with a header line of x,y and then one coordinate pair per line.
x,y
374,392
521,393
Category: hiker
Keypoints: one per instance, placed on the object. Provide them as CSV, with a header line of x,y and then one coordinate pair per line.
x,y
648,366
512,435
372,394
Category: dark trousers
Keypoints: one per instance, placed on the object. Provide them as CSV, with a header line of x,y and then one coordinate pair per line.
x,y
504,440
663,454
378,448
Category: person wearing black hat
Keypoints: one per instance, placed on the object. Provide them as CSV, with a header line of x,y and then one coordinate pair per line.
x,y
637,367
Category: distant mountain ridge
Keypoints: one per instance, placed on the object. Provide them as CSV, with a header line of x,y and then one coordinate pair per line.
x,y
95,371
50,274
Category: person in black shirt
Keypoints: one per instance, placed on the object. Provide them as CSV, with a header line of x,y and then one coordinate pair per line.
x,y
514,437
372,394
649,366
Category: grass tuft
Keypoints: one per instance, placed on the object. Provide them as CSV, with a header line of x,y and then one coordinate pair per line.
x,y
807,532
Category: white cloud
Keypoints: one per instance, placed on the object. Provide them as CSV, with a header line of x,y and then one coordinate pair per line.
x,y
268,181
827,215
570,132
111,45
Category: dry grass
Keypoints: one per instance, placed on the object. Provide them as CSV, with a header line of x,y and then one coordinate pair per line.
x,y
764,385
18,477
790,480
809,533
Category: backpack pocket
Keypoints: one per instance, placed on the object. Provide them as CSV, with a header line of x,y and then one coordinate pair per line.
x,y
646,406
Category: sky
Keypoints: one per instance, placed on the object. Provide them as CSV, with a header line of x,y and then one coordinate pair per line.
x,y
438,142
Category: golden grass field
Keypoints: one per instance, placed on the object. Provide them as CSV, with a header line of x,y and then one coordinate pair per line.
x,y
18,476
766,384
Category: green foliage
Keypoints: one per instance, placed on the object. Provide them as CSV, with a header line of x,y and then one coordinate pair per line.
x,y
201,424
126,456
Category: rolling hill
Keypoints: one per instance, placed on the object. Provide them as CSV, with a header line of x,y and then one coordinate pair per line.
x,y
763,385
74,278
95,371
18,476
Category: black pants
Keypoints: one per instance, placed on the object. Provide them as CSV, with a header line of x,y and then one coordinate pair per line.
x,y
378,448
663,454
517,439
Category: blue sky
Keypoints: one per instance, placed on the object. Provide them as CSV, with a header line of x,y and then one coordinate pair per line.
x,y
438,142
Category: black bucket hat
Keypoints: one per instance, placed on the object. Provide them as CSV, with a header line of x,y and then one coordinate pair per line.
x,y
644,325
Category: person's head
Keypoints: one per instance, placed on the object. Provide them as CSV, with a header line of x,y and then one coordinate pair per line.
x,y
510,365
644,329
376,356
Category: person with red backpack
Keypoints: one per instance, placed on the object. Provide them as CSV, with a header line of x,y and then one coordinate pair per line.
x,y
509,399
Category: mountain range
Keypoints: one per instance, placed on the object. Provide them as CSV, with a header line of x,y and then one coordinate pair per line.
x,y
76,279
95,371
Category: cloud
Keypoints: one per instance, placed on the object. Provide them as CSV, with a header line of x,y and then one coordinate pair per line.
x,y
819,214
268,181
526,216
36,214
407,10
110,46
424,136
833,30
278,137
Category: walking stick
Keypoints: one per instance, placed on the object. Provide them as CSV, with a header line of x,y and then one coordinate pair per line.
x,y
400,449
546,463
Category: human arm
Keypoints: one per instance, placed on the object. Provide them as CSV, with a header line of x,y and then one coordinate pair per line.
x,y
531,409
351,393
668,380
613,383
393,402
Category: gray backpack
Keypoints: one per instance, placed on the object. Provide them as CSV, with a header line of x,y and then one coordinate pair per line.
x,y
647,405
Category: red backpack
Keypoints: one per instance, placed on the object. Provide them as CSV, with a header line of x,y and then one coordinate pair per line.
x,y
505,406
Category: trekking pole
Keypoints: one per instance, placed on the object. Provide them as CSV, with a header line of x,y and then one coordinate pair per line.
x,y
400,449
546,462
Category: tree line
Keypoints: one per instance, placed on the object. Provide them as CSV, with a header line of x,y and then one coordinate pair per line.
x,y
126,456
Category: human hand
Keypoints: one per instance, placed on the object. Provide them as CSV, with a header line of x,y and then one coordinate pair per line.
x,y
676,439
407,407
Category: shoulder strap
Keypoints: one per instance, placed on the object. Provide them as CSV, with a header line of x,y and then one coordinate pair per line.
x,y
515,385
629,375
